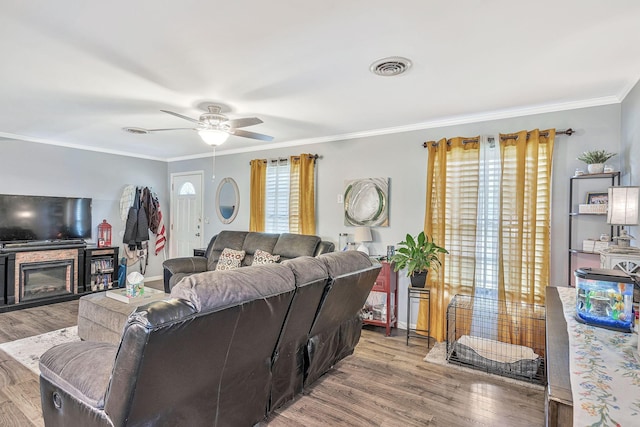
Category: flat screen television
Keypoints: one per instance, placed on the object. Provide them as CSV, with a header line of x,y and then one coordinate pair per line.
x,y
34,218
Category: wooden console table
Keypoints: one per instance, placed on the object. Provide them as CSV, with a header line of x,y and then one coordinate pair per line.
x,y
386,305
601,366
559,400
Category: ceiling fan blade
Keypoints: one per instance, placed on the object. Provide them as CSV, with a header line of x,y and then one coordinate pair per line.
x,y
158,130
240,123
181,116
247,134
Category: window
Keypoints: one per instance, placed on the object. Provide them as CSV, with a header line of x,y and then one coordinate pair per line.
x,y
187,189
491,208
283,195
277,197
488,219
485,309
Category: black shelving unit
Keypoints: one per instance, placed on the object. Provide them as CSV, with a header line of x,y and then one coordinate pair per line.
x,y
100,269
614,179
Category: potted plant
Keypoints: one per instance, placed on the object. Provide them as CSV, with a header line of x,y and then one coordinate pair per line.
x,y
595,159
417,255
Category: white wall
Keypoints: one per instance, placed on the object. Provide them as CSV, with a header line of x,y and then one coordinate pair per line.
x,y
402,158
30,168
47,170
631,144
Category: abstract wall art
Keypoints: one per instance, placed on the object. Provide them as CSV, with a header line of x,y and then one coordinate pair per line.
x,y
366,202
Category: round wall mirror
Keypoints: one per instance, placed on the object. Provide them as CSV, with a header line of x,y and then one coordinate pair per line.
x,y
227,200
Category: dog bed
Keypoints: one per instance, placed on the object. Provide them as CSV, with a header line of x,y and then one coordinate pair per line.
x,y
496,356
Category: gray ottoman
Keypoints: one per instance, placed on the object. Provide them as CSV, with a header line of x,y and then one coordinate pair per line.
x,y
102,319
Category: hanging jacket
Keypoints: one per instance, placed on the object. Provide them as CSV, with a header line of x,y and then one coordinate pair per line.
x,y
137,227
143,226
151,206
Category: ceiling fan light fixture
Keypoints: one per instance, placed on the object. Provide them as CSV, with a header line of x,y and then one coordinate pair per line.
x,y
213,136
137,131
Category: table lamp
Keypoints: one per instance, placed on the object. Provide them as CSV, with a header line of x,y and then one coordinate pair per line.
x,y
363,234
623,210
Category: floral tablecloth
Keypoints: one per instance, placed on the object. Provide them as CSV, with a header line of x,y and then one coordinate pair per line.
x,y
605,371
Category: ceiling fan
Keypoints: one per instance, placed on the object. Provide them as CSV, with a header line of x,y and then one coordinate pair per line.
x,y
213,127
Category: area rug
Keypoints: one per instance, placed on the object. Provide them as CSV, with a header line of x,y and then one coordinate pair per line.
x,y
437,355
28,350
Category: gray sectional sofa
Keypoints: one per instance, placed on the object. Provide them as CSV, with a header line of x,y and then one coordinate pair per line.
x,y
226,349
286,245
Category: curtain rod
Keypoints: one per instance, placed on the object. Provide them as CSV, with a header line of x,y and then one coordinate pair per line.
x,y
309,156
568,132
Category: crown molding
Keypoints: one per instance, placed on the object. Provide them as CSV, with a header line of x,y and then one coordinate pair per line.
x,y
438,123
449,121
17,137
625,91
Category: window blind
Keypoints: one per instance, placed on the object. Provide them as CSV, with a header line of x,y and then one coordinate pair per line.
x,y
294,201
277,197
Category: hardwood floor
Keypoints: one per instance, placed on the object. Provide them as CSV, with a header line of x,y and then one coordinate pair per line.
x,y
384,383
19,387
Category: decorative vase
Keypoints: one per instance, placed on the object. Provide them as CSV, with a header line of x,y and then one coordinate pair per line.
x,y
595,168
419,279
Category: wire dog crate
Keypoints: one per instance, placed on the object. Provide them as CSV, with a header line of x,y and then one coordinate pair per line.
x,y
498,337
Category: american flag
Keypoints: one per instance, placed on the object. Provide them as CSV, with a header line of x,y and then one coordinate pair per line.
x,y
161,237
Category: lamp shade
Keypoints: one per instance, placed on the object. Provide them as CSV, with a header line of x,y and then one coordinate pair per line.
x,y
213,136
363,234
623,205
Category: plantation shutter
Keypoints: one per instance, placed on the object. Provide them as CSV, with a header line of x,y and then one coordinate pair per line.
x,y
277,198
294,201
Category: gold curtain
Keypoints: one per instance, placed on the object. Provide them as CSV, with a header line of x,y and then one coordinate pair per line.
x,y
524,229
450,219
258,194
525,226
302,196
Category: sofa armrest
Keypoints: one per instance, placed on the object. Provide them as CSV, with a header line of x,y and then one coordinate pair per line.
x,y
324,247
81,369
189,265
185,265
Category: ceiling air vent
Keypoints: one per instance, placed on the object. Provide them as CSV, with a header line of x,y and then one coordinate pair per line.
x,y
392,66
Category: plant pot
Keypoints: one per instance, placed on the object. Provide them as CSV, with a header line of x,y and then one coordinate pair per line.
x,y
419,279
595,168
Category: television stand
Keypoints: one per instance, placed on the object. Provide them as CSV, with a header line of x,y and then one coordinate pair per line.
x,y
35,245
44,272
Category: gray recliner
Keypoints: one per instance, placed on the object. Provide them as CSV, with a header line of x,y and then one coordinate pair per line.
x,y
226,349
287,245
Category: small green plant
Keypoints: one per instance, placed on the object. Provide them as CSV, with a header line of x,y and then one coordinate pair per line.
x,y
595,156
417,254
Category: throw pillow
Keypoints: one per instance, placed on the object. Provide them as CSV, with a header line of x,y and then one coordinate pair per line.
x,y
261,257
230,259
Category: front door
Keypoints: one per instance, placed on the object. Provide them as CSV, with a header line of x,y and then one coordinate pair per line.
x,y
186,213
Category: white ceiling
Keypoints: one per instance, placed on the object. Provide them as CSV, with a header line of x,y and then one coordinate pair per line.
x,y
75,72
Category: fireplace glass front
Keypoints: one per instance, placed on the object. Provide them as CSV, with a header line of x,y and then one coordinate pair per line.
x,y
45,279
